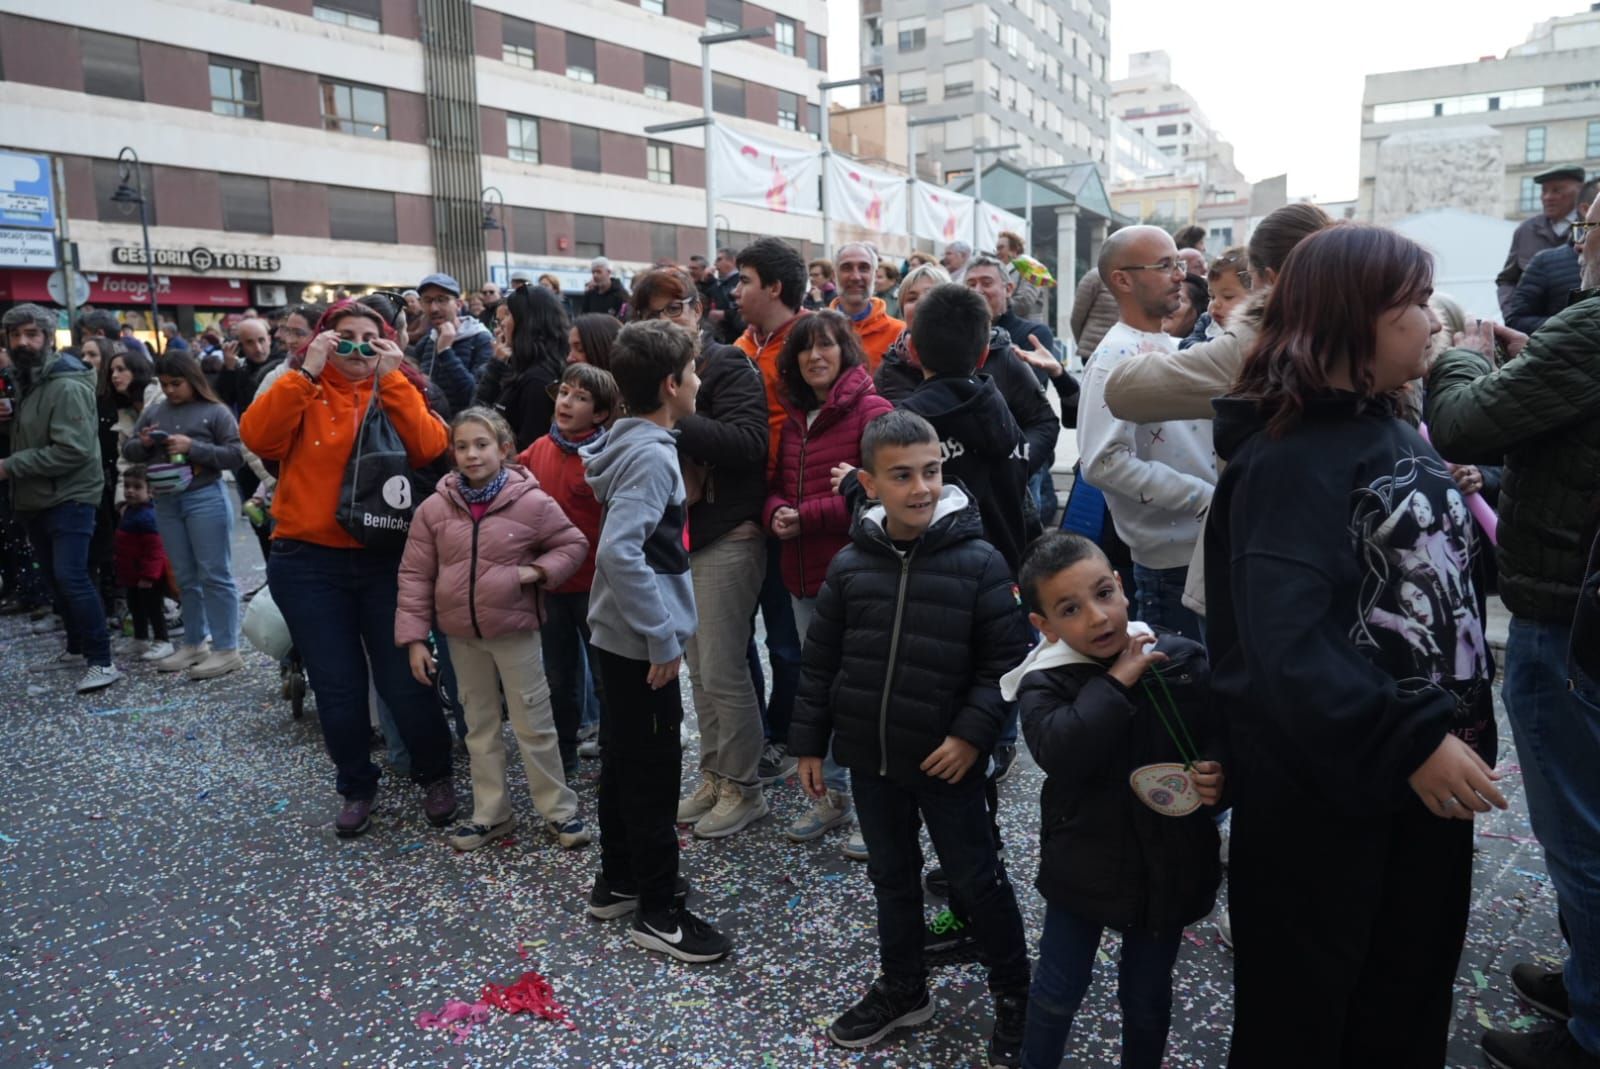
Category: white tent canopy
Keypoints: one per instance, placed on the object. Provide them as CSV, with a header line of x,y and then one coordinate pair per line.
x,y
1468,251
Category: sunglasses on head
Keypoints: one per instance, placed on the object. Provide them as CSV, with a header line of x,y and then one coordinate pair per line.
x,y
346,347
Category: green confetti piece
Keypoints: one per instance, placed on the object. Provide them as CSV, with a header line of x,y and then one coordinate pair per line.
x,y
1480,979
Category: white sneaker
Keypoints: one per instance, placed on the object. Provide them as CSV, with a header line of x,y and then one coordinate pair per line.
x,y
701,802
589,748
733,812
855,847
833,810
217,663
185,657
59,662
98,677
158,651
1225,928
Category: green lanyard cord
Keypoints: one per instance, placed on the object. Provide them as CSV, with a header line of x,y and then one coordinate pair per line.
x,y
1189,753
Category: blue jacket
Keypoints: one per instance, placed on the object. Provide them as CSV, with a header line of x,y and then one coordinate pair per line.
x,y
1544,288
456,370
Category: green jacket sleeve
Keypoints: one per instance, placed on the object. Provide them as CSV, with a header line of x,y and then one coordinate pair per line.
x,y
1476,414
72,436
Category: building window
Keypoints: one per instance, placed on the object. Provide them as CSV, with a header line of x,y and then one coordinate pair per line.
x,y
111,66
518,44
1169,129
958,80
361,215
913,87
658,162
246,204
814,50
814,120
788,110
585,148
913,34
658,7
235,88
355,109
727,94
783,36
580,58
663,242
1528,198
657,78
1592,148
1468,104
588,236
991,25
522,138
528,230
107,177
1533,145
724,16
958,24
356,14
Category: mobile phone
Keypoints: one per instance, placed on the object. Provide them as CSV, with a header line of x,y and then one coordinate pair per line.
x,y
158,437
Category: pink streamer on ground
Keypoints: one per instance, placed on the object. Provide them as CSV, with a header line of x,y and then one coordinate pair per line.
x,y
457,1017
1476,505
529,993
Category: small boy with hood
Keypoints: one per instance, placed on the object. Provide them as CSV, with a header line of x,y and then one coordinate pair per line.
x,y
641,613
1118,718
914,625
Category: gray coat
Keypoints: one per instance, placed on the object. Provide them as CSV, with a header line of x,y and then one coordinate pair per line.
x,y
1532,237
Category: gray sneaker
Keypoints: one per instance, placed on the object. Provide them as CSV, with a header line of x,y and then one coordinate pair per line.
x,y
589,748
855,847
777,764
733,812
700,802
831,811
98,677
61,662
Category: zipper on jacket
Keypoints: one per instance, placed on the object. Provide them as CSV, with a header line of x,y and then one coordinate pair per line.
x,y
894,649
472,580
799,499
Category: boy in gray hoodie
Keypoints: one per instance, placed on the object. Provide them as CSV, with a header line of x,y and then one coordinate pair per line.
x,y
641,612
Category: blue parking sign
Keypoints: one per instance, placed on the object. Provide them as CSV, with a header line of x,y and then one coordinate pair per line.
x,y
27,198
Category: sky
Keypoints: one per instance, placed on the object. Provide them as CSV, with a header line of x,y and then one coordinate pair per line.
x,y
1283,81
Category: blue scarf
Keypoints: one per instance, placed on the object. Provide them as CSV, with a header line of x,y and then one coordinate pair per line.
x,y
488,491
569,446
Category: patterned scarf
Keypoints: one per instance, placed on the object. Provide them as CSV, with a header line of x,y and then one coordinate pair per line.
x,y
487,492
572,445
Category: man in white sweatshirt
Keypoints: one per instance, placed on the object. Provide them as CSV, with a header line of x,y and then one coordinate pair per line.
x,y
1157,477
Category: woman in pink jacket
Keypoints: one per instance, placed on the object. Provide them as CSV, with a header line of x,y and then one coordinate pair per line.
x,y
480,552
827,391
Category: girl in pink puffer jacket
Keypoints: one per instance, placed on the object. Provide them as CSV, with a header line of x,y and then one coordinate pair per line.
x,y
480,552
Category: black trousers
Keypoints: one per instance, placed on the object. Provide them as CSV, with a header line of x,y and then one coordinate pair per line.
x,y
149,615
1347,933
641,761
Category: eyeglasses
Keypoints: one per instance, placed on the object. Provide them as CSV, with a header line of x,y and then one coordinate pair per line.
x,y
346,347
1166,267
674,309
1580,232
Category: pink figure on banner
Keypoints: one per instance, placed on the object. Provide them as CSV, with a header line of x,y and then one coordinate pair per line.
x,y
778,192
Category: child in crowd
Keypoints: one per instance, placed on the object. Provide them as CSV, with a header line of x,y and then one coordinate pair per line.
x,y
479,552
585,400
142,567
1117,718
641,612
187,443
1229,283
914,625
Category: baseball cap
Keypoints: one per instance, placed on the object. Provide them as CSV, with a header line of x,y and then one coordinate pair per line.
x,y
443,281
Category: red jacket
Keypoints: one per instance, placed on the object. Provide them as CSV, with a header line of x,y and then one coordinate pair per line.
x,y
806,457
465,570
560,473
137,550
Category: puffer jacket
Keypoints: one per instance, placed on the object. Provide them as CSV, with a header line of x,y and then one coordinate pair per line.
x,y
1103,853
1544,288
465,570
1541,413
802,479
457,369
1094,311
907,648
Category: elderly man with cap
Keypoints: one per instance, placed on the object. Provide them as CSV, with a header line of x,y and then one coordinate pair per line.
x,y
457,349
56,478
1558,199
521,278
956,255
1551,276
603,293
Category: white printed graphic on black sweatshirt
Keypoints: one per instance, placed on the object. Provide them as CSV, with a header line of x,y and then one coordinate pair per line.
x,y
1418,601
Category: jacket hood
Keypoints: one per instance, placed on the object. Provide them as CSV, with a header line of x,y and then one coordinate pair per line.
x,y
999,340
1236,420
955,519
847,389
467,326
606,461
1047,655
968,411
64,365
519,481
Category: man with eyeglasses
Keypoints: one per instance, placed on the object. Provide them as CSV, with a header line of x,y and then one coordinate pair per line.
x,y
457,349
1551,275
1558,200
1157,477
490,292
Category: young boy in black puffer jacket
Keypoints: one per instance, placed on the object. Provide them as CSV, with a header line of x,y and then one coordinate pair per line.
x,y
1119,719
914,625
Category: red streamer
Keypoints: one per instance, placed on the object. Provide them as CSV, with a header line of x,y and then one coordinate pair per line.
x,y
530,993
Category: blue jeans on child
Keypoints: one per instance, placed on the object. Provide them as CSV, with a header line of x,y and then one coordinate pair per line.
x,y
564,644
1067,954
834,776
197,531
60,536
1159,599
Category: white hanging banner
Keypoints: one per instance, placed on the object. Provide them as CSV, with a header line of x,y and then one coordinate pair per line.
x,y
938,214
764,174
992,220
860,196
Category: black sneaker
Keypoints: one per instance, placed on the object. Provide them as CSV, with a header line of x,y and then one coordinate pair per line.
x,y
439,802
777,764
890,1004
948,941
607,903
680,934
1551,1047
1543,989
354,819
1010,1019
936,883
1004,757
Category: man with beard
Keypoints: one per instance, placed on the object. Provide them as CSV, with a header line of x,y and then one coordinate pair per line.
x,y
856,268
56,478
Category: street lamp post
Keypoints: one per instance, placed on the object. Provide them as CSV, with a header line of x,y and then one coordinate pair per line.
x,y
491,223
706,41
825,135
979,150
911,166
128,164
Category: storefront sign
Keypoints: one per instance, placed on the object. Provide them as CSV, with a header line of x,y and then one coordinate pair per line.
x,y
27,248
199,259
119,291
26,196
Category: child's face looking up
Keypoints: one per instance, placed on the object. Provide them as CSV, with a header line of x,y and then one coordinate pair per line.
x,y
135,491
1084,607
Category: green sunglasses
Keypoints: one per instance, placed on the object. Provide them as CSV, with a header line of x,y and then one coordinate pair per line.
x,y
346,347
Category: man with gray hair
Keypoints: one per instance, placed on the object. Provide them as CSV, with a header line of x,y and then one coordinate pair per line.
x,y
56,481
855,267
603,293
956,255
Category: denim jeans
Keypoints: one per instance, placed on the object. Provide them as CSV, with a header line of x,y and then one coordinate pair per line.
x,y
60,536
1159,599
1067,952
568,665
783,648
340,607
834,776
958,823
1557,731
197,530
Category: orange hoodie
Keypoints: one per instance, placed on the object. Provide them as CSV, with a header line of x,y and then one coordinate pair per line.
x,y
764,353
310,428
877,330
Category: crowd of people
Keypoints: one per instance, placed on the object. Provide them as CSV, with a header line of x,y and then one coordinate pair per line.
x,y
1256,632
